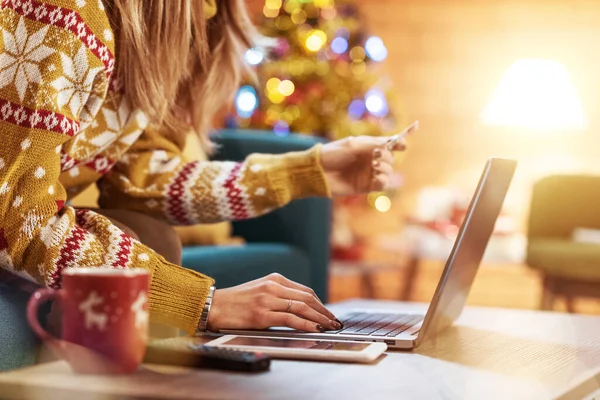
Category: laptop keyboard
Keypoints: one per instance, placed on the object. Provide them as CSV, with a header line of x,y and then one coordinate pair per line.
x,y
378,324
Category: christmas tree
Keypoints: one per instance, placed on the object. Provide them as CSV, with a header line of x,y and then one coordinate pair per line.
x,y
321,76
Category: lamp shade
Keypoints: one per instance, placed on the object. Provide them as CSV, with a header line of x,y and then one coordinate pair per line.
x,y
535,94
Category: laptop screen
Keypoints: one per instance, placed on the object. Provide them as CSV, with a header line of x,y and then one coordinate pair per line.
x,y
469,247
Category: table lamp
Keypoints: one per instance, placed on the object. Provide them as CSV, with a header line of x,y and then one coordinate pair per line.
x,y
535,94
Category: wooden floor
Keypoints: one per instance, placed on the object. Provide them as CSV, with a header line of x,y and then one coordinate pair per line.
x,y
512,286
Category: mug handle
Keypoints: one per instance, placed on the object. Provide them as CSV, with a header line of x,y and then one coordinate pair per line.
x,y
41,296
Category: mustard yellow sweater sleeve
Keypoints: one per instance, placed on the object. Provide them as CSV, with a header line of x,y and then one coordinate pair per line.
x,y
153,178
54,72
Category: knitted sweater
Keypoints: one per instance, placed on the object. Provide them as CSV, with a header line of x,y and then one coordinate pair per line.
x,y
65,125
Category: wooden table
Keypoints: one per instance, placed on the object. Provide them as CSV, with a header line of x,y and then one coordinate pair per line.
x,y
488,354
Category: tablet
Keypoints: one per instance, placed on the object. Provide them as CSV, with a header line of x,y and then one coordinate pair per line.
x,y
307,349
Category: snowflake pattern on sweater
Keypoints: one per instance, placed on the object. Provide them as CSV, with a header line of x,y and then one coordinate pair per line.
x,y
65,125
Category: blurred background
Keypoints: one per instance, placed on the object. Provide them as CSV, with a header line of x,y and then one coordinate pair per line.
x,y
512,78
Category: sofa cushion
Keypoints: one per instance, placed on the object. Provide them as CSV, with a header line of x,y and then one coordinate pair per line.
x,y
18,344
565,258
231,266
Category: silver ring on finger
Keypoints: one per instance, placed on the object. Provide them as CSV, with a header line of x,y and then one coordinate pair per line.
x,y
289,308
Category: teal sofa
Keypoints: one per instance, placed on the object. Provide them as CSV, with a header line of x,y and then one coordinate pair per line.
x,y
18,344
293,241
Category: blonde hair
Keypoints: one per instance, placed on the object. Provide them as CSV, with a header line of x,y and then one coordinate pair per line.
x,y
178,66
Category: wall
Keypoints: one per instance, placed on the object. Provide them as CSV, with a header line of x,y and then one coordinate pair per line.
x,y
446,57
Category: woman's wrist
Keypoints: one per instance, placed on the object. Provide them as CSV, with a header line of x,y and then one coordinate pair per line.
x,y
203,323
294,175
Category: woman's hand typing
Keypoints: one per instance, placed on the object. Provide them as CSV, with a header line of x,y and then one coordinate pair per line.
x,y
270,301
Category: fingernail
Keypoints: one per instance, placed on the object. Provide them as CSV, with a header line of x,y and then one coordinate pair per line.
x,y
339,322
335,325
377,153
320,328
391,144
375,163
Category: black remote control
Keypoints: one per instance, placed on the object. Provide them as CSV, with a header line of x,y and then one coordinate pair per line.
x,y
176,351
234,360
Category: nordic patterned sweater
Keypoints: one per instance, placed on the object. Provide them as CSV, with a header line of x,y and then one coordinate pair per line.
x,y
64,126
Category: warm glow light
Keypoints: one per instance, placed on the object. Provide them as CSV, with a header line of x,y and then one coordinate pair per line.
x,y
246,101
275,97
339,45
376,103
357,53
273,93
254,56
328,13
356,109
291,5
383,204
273,4
286,87
323,3
315,40
273,85
270,12
375,48
281,128
538,95
358,67
298,16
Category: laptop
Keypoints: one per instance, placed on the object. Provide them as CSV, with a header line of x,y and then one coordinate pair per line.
x,y
404,330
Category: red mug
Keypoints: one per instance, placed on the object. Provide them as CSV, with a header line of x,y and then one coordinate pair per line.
x,y
104,318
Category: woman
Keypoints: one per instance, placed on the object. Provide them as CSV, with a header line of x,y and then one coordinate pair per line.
x,y
103,91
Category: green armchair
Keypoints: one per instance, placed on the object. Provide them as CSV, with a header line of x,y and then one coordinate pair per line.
x,y
293,241
569,269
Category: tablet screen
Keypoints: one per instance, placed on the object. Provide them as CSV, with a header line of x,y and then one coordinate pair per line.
x,y
296,344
